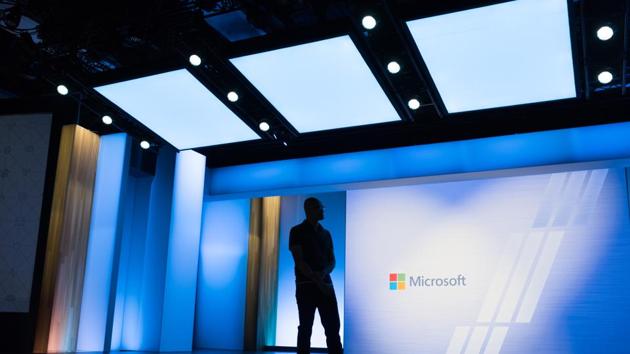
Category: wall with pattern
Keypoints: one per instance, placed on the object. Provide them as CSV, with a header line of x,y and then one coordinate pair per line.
x,y
23,154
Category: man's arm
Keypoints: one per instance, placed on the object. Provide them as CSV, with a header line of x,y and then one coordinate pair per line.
x,y
331,257
317,277
298,257
331,264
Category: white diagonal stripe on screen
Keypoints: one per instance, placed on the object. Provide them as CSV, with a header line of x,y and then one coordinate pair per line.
x,y
593,189
571,195
476,340
501,278
458,339
548,203
496,340
569,199
519,278
539,278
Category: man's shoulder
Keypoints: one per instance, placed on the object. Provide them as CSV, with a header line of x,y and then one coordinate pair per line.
x,y
297,230
296,236
323,230
299,227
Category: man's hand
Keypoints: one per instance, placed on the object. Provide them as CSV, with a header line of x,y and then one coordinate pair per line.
x,y
326,288
317,277
321,275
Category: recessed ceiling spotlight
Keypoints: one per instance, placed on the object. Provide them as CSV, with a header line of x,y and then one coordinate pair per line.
x,y
605,77
62,90
232,96
145,144
194,60
285,143
393,67
605,33
107,120
368,22
264,126
413,104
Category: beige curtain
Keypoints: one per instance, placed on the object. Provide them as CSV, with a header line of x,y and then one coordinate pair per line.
x,y
262,273
66,248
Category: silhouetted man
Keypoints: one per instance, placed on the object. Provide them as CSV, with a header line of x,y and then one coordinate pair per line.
x,y
312,249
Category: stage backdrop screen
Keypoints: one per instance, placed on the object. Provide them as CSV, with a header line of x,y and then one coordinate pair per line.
x,y
529,264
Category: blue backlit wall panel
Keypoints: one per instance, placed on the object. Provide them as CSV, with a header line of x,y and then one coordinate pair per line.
x,y
291,214
183,253
158,221
128,310
584,144
139,298
220,312
123,260
104,243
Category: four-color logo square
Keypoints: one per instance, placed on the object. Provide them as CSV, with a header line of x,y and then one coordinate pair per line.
x,y
397,281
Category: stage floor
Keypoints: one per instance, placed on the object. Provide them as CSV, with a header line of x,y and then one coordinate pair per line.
x,y
192,352
204,352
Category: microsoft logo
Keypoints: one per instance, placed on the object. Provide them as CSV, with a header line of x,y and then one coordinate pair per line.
x,y
397,281
402,281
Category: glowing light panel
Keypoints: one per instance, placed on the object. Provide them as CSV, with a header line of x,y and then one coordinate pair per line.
x,y
180,285
596,143
177,107
104,241
319,86
222,280
508,54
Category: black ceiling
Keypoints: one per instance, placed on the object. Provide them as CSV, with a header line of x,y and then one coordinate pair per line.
x,y
88,43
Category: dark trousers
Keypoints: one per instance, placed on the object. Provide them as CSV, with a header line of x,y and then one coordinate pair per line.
x,y
309,298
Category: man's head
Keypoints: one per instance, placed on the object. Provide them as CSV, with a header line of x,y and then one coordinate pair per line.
x,y
314,209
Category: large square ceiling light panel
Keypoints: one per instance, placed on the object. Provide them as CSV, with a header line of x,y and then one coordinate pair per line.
x,y
319,86
507,54
180,109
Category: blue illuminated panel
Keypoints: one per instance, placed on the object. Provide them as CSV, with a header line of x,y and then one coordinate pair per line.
x,y
320,85
179,109
512,53
595,143
103,243
220,312
525,264
139,295
180,288
129,322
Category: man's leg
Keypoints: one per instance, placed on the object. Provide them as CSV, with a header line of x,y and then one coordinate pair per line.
x,y
306,309
329,314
